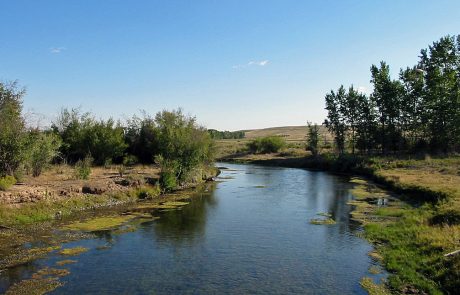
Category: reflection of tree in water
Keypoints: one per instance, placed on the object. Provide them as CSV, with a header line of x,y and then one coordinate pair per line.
x,y
338,206
188,223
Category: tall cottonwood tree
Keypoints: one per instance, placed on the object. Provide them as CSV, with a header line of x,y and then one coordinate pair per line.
x,y
336,121
12,128
441,67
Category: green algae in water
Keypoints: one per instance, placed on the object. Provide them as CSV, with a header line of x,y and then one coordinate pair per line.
x,y
65,262
50,272
325,214
175,203
42,282
24,256
34,286
319,221
73,251
99,223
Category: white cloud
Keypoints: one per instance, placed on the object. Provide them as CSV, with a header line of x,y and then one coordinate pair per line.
x,y
260,63
57,50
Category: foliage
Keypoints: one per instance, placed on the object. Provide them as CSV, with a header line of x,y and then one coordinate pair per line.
x,y
12,128
215,134
83,168
41,149
269,144
82,134
182,144
420,110
313,139
141,138
6,182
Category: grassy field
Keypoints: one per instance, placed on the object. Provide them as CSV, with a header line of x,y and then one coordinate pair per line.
x,y
295,137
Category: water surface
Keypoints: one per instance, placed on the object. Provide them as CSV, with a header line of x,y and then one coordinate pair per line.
x,y
249,233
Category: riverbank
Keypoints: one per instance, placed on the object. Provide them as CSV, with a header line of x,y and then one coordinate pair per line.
x,y
414,241
35,227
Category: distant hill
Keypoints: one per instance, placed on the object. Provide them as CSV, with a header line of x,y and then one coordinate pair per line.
x,y
290,133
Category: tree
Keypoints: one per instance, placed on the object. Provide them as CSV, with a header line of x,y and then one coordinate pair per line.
x,y
313,138
335,121
82,135
441,67
387,97
182,143
12,128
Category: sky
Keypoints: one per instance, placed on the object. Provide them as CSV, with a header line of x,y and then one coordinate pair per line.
x,y
232,64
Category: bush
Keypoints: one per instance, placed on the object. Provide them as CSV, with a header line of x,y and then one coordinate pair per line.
x,y
42,148
6,182
264,145
148,192
83,168
168,181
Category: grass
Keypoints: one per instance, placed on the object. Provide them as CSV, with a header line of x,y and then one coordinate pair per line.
x,y
373,288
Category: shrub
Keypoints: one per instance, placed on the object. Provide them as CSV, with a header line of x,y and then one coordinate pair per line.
x,y
269,144
83,168
168,180
42,148
148,192
6,182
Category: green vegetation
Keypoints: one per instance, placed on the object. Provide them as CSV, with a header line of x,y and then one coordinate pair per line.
x,y
83,168
6,182
264,145
65,262
313,139
373,288
420,112
215,134
319,221
34,286
99,223
73,251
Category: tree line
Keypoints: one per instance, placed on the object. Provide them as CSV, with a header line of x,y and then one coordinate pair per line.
x,y
171,139
216,134
418,112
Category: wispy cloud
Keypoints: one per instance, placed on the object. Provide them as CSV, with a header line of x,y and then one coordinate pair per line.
x,y
260,63
57,50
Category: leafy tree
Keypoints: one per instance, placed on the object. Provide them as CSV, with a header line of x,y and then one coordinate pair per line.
x,y
141,138
182,143
387,97
336,122
441,67
412,105
82,135
12,128
313,138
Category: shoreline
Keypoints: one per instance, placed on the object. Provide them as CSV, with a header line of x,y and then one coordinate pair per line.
x,y
413,242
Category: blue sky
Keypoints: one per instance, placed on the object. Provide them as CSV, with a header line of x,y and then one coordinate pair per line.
x,y
233,64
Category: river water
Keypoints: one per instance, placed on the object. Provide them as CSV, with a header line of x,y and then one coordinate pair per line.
x,y
247,233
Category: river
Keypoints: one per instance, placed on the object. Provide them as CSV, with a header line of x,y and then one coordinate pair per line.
x,y
247,233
